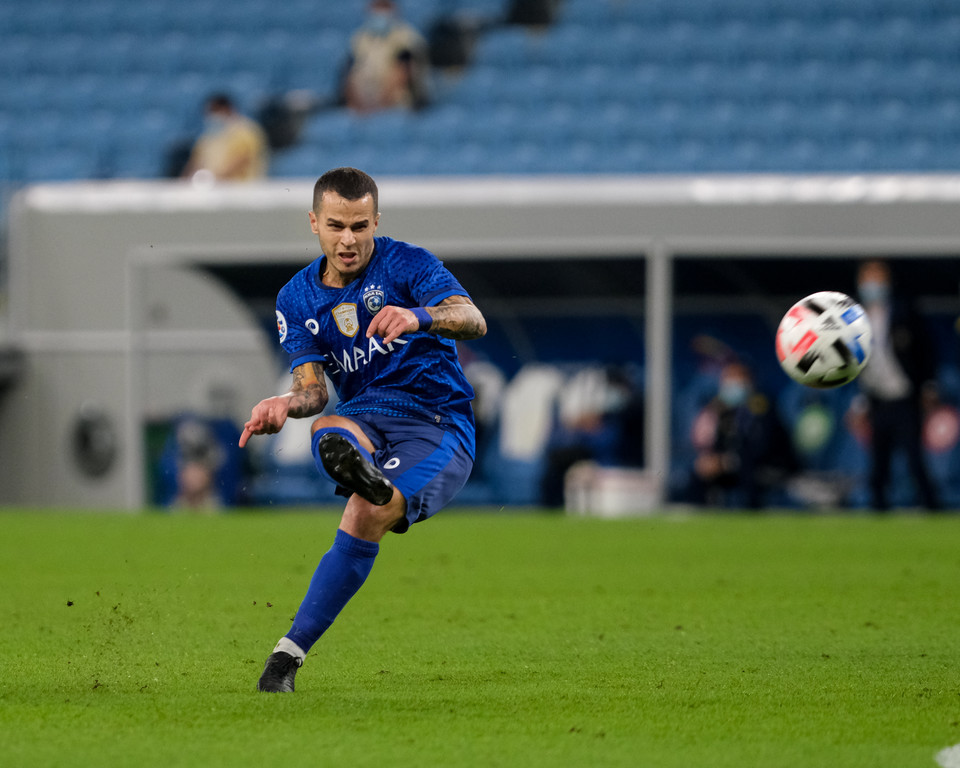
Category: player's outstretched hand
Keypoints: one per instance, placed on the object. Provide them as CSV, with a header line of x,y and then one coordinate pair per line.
x,y
391,322
267,418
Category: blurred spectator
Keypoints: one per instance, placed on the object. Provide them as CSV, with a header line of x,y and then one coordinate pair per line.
x,y
232,147
897,383
744,455
488,384
201,465
389,63
600,419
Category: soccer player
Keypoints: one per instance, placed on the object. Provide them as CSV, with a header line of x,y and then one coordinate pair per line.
x,y
379,316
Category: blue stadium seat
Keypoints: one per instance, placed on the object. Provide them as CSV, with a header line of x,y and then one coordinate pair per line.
x,y
560,48
498,127
942,43
730,42
167,53
611,125
476,88
462,157
442,124
15,57
750,11
506,48
719,84
37,19
389,129
599,13
309,60
332,129
200,16
113,54
151,19
422,13
779,41
491,10
94,18
42,130
60,164
838,41
892,40
297,162
59,57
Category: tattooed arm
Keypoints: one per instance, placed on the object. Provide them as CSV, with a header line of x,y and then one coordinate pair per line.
x,y
456,317
307,397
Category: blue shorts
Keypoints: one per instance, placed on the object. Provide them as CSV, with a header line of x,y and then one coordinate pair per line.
x,y
427,464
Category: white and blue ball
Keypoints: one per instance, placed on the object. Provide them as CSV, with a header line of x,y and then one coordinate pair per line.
x,y
824,340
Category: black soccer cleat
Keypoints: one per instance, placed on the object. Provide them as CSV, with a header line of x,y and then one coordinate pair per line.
x,y
278,673
349,469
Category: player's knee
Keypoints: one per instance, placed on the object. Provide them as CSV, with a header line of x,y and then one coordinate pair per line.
x,y
326,422
341,422
368,521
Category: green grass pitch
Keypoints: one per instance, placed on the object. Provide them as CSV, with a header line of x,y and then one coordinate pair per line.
x,y
484,639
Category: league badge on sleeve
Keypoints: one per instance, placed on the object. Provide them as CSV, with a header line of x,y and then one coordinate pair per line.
x,y
373,298
345,316
281,326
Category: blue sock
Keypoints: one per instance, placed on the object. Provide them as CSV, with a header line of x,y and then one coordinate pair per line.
x,y
337,431
340,574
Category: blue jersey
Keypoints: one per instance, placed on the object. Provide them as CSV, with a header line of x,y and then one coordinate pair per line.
x,y
416,375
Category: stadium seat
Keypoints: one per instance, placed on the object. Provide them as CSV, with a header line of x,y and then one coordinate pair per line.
x,y
330,129
60,164
598,14
442,124
505,48
297,162
744,84
33,18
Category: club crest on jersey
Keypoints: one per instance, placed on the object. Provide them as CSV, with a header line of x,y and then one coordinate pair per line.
x,y
373,299
345,316
281,326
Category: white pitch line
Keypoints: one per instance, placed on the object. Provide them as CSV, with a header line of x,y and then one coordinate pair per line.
x,y
949,757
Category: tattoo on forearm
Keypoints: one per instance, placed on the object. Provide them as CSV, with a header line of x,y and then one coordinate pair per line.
x,y
309,392
457,318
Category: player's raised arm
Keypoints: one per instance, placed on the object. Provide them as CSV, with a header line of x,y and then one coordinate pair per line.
x,y
307,397
456,317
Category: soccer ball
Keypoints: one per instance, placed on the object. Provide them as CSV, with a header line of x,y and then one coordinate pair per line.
x,y
824,340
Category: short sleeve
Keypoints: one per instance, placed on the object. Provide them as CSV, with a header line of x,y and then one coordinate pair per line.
x,y
297,341
428,280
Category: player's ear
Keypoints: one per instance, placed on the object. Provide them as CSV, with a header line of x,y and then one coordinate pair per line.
x,y
314,223
376,221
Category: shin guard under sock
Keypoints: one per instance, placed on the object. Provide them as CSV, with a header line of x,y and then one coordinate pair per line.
x,y
340,574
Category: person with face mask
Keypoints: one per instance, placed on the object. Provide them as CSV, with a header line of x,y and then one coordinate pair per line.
x,y
744,454
232,147
895,381
388,66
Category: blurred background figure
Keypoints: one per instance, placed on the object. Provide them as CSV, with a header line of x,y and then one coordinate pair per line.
x,y
599,419
200,466
898,383
744,455
388,65
232,147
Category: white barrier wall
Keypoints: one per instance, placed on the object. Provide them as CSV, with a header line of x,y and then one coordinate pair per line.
x,y
117,321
